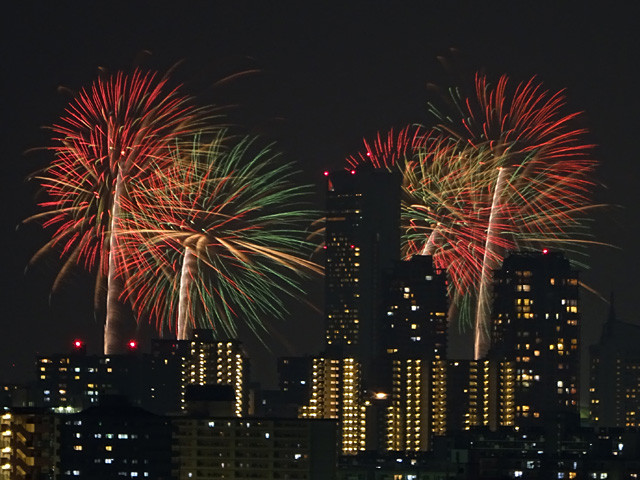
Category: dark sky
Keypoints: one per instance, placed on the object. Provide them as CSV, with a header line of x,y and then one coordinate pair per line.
x,y
328,74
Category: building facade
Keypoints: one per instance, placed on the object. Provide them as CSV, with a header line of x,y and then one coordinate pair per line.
x,y
254,448
337,394
29,444
115,439
76,380
614,382
535,332
411,366
155,381
362,240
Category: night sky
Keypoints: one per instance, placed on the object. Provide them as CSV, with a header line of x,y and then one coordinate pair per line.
x,y
319,77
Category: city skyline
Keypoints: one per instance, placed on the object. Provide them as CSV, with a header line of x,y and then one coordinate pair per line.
x,y
328,101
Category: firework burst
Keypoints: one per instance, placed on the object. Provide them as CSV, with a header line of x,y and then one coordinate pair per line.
x,y
506,170
110,134
215,239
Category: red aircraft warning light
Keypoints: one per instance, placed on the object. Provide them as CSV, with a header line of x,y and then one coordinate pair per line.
x,y
79,346
133,344
545,251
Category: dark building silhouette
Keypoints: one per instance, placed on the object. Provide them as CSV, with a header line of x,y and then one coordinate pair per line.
x,y
362,240
293,378
207,447
115,439
16,395
535,335
614,385
77,380
210,400
155,381
464,395
168,367
294,387
414,306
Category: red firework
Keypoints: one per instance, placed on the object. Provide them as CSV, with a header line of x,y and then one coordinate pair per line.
x,y
114,127
110,134
508,169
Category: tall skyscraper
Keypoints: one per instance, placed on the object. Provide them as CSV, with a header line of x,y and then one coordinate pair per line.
x,y
362,240
535,336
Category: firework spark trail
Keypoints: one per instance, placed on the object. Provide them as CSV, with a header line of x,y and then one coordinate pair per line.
x,y
189,266
113,329
490,262
451,193
216,239
110,134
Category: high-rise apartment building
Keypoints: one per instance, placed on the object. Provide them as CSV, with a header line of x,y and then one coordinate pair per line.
x,y
337,393
467,388
414,311
614,386
202,360
535,327
214,362
362,240
411,367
